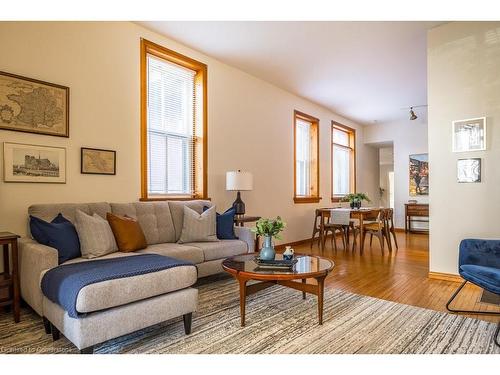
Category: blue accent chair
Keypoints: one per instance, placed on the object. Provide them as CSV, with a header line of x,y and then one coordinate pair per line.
x,y
479,264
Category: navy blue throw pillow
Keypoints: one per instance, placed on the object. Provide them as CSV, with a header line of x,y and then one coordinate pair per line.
x,y
225,224
59,234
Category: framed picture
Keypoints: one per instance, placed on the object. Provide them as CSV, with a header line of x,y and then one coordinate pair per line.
x,y
33,106
419,174
97,161
469,170
469,135
33,163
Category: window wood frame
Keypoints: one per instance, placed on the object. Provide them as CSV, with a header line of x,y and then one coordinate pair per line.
x,y
352,147
314,168
200,152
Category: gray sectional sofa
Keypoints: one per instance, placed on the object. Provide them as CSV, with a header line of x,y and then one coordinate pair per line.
x,y
116,307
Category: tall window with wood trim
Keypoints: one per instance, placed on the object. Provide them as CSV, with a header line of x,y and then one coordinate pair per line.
x,y
173,125
306,158
343,161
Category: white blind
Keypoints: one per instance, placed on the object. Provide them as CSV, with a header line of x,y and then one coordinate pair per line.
x,y
170,123
303,157
341,170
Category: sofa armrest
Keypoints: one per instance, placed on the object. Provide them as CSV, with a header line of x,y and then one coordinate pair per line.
x,y
246,235
34,258
481,252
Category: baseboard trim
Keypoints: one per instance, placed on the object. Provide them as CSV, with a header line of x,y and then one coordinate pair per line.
x,y
445,276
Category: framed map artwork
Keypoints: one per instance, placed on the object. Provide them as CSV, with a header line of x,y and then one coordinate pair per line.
x,y
33,106
97,161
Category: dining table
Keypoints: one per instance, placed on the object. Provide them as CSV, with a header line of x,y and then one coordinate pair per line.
x,y
361,214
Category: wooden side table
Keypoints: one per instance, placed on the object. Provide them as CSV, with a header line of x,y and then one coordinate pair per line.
x,y
10,280
240,221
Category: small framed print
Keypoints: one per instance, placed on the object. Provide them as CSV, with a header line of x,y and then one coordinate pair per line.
x,y
469,170
469,135
32,163
98,161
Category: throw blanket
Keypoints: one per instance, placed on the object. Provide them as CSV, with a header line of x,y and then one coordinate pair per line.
x,y
62,284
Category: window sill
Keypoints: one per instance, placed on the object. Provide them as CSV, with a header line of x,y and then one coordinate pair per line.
x,y
306,199
337,199
171,198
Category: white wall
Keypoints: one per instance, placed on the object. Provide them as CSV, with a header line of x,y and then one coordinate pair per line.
x,y
463,82
250,123
386,165
407,137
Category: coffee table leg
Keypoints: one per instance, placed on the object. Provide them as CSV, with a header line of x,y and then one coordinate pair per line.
x,y
304,293
243,297
321,290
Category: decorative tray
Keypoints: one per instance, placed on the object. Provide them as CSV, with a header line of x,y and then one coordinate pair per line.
x,y
276,263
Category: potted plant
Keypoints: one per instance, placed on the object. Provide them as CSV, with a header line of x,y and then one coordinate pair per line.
x,y
269,229
355,199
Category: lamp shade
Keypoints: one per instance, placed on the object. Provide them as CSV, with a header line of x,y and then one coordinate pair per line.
x,y
239,181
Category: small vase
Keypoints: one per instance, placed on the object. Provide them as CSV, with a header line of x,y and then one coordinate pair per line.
x,y
358,205
353,204
267,252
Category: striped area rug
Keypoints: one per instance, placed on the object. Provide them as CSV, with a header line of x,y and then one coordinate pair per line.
x,y
279,321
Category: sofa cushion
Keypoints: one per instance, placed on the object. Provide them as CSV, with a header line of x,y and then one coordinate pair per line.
x,y
127,231
177,212
221,249
96,236
486,277
48,212
181,252
118,292
153,217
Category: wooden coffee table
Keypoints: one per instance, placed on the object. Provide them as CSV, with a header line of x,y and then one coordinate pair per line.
x,y
244,269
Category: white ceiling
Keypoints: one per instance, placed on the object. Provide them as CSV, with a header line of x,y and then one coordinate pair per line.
x,y
365,71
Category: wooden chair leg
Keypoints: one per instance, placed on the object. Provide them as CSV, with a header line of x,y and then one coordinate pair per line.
x,y
394,235
334,240
381,240
371,238
342,232
387,236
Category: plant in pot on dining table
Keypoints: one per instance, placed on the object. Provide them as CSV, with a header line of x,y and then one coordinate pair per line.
x,y
355,199
269,229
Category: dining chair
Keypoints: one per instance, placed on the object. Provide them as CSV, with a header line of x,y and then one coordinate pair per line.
x,y
339,220
317,225
374,228
390,226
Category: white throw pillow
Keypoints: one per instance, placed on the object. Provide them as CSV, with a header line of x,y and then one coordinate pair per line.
x,y
198,227
95,234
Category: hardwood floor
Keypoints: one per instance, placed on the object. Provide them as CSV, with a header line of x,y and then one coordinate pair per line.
x,y
400,276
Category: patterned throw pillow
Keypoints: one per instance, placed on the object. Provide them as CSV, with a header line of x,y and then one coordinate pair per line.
x,y
96,236
198,227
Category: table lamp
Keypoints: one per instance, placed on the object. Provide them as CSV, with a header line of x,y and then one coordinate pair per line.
x,y
239,181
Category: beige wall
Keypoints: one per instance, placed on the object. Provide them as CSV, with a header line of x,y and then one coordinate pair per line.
x,y
250,123
463,82
407,137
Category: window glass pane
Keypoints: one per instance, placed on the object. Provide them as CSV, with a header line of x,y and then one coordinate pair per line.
x,y
170,119
340,137
303,157
341,170
157,161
